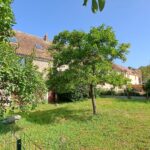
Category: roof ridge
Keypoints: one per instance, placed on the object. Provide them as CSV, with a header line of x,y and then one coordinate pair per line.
x,y
28,34
124,67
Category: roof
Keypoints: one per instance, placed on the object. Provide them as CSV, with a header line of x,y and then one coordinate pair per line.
x,y
127,70
29,44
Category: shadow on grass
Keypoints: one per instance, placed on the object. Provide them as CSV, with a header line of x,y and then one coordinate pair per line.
x,y
125,99
12,128
133,100
58,115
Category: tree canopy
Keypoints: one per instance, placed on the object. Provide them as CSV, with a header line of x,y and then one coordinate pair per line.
x,y
147,88
96,5
6,19
88,58
145,73
21,81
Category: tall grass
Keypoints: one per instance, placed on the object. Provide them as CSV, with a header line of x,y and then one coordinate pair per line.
x,y
119,125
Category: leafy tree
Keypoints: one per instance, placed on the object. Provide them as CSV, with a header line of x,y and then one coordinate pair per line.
x,y
147,88
6,19
145,73
117,79
96,5
88,57
23,82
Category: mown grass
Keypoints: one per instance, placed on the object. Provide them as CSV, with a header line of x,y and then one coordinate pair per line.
x,y
119,125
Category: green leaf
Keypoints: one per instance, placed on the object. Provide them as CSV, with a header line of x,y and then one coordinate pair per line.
x,y
85,2
94,6
101,4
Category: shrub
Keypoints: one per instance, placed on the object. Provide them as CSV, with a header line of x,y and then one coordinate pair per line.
x,y
77,94
22,81
102,92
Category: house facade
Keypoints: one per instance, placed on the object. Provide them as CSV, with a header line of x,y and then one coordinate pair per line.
x,y
27,45
134,75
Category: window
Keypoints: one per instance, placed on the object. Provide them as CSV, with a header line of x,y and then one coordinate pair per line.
x,y
13,40
22,61
38,46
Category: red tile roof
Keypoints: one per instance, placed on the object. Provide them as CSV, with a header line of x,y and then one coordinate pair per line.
x,y
127,70
27,45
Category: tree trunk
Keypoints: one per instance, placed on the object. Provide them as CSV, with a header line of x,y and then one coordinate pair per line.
x,y
93,98
128,94
147,95
112,89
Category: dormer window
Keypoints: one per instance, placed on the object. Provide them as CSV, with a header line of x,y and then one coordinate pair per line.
x,y
38,46
13,40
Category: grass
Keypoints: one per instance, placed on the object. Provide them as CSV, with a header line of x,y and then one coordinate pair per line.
x,y
119,125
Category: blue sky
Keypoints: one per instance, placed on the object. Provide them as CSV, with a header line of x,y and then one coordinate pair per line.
x,y
130,20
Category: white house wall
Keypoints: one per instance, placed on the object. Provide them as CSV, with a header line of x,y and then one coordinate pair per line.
x,y
43,67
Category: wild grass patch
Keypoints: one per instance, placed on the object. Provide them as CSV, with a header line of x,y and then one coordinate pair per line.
x,y
119,124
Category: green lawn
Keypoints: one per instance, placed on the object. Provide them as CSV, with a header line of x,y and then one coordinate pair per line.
x,y
119,125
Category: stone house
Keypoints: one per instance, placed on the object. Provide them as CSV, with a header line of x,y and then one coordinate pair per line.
x,y
27,44
134,75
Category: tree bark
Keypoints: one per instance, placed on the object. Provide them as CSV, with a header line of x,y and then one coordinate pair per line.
x,y
147,95
93,98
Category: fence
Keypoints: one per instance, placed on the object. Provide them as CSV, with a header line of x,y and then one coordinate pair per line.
x,y
23,142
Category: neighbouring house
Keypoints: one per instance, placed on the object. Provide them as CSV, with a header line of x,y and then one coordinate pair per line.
x,y
135,76
27,44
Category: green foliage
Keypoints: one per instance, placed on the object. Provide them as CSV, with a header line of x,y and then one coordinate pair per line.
x,y
147,88
87,58
117,79
96,5
121,124
31,88
100,92
145,73
81,92
22,81
6,19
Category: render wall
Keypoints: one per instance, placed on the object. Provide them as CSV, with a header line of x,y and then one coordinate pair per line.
x,y
135,80
42,66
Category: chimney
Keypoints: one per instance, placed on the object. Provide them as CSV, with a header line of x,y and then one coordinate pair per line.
x,y
45,38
